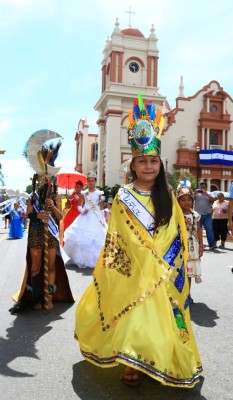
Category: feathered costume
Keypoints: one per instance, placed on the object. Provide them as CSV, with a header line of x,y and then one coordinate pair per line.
x,y
31,289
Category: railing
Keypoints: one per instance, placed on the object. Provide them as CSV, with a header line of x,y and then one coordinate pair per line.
x,y
216,146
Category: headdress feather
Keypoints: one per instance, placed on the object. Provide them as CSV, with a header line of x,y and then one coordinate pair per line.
x,y
145,124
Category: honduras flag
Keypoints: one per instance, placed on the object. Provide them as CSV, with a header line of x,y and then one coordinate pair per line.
x,y
216,156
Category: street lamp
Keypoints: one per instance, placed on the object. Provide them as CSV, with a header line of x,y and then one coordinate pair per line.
x,y
197,165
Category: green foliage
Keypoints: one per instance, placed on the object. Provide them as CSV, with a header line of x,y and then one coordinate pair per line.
x,y
109,192
29,189
175,178
115,189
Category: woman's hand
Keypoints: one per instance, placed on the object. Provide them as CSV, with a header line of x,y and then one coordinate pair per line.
x,y
200,250
50,204
43,216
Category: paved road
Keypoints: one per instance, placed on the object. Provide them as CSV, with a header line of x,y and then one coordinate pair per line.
x,y
39,358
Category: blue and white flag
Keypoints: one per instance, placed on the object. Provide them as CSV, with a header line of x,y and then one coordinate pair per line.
x,y
216,156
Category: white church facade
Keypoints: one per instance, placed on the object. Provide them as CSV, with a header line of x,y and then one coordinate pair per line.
x,y
202,121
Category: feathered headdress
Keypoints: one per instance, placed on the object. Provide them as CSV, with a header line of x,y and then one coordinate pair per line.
x,y
145,125
184,188
41,156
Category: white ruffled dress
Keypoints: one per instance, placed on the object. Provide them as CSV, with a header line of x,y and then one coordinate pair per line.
x,y
85,237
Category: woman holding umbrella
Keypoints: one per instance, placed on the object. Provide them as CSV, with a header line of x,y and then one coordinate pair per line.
x,y
73,202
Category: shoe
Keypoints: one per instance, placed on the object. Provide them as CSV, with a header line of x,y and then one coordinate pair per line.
x,y
130,377
213,247
221,246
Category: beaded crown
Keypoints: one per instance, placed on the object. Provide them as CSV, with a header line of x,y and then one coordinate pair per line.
x,y
91,174
145,125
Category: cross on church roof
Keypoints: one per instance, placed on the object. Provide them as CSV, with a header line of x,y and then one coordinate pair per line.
x,y
130,12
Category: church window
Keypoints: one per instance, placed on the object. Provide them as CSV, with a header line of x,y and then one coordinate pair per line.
x,y
94,151
214,138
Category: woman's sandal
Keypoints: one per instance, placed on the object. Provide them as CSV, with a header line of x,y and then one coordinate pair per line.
x,y
130,376
37,306
50,305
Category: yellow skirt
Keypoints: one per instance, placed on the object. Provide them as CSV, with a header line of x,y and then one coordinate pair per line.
x,y
135,311
146,339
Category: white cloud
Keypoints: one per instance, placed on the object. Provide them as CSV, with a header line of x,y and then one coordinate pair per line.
x,y
16,173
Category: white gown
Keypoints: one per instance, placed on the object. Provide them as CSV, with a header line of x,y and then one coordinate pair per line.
x,y
85,237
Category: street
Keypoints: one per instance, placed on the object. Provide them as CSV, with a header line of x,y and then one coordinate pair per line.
x,y
39,358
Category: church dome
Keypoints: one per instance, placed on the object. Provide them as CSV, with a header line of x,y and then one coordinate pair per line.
x,y
132,32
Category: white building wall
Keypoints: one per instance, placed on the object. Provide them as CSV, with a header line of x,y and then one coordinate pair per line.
x,y
113,152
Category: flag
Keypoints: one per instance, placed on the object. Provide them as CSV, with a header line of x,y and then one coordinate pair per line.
x,y
216,156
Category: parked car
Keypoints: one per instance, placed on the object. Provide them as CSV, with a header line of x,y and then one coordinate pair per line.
x,y
215,193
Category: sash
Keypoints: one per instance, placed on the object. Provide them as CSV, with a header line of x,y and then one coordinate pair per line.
x,y
145,218
7,206
52,225
95,210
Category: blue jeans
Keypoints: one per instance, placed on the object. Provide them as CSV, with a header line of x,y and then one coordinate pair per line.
x,y
206,221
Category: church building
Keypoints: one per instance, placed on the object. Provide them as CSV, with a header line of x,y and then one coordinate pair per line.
x,y
86,148
129,66
200,122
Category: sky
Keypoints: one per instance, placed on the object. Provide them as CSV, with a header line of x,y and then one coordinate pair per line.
x,y
51,54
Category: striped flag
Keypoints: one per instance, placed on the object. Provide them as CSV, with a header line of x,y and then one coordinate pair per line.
x,y
216,156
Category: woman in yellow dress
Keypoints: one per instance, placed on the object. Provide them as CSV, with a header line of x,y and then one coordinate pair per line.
x,y
136,311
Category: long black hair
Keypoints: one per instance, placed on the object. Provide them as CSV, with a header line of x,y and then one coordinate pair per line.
x,y
160,196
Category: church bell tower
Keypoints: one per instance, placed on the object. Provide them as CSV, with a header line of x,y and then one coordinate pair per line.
x,y
129,66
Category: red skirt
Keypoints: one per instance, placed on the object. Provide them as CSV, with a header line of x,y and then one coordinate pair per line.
x,y
70,217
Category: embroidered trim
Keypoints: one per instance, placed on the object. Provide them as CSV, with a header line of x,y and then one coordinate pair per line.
x,y
52,225
138,210
145,367
133,304
173,250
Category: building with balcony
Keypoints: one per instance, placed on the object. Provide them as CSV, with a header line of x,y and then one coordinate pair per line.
x,y
200,122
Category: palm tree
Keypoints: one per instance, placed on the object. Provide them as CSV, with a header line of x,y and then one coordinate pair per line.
x,y
114,190
1,176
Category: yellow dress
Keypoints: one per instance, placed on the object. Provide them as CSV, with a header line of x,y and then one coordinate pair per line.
x,y
136,310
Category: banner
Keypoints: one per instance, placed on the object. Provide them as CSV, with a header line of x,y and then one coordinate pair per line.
x,y
216,156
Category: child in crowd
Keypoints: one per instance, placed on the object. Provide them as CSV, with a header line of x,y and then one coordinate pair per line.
x,y
107,210
195,243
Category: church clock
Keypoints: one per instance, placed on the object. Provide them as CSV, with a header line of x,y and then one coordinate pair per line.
x,y
134,66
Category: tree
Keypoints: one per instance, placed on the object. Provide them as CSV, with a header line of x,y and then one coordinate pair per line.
x,y
115,189
29,189
109,191
1,176
175,178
